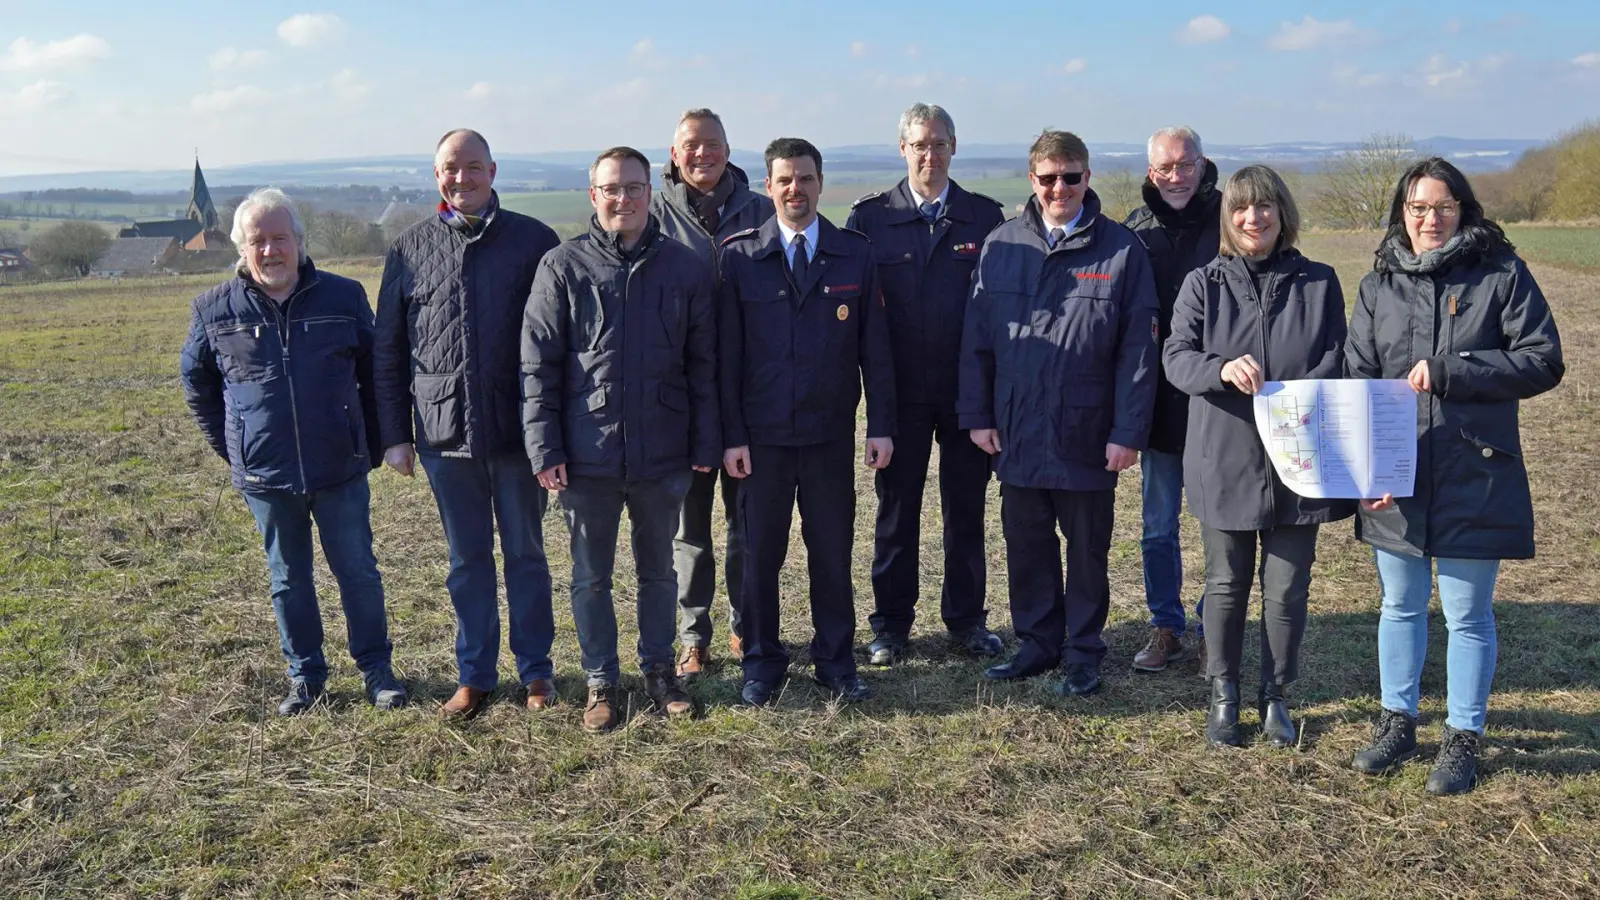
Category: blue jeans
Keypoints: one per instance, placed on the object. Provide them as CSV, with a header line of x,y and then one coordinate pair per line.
x,y
593,509
341,514
1466,594
1161,484
473,494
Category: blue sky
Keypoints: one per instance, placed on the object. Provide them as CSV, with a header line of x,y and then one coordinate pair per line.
x,y
96,85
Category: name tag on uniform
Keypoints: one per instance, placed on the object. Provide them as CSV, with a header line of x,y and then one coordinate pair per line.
x,y
840,288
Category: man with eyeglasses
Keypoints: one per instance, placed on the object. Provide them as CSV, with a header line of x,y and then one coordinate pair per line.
x,y
926,232
1179,226
445,365
619,402
1057,382
801,326
703,200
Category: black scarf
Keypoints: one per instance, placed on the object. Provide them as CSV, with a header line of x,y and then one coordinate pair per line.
x,y
707,204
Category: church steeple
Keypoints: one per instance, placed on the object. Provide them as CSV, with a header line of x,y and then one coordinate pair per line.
x,y
201,208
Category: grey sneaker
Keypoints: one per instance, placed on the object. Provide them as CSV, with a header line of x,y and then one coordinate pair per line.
x,y
384,691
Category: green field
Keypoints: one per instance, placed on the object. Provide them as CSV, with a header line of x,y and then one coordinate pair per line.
x,y
139,756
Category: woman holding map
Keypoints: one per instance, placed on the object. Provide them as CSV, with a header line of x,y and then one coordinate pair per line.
x,y
1259,312
1449,307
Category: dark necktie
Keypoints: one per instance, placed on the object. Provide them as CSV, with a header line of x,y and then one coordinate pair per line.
x,y
930,211
798,266
1056,235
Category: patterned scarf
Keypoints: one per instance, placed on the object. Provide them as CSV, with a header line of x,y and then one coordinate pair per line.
x,y
470,225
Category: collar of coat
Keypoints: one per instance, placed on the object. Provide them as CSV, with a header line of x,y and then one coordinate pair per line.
x,y
1198,207
470,224
1077,237
305,279
904,206
1287,262
830,239
611,241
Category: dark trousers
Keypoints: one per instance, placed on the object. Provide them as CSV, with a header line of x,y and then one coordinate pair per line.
x,y
1287,552
1058,619
963,480
822,478
696,561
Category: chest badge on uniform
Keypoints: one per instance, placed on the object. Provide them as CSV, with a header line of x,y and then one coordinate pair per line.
x,y
843,312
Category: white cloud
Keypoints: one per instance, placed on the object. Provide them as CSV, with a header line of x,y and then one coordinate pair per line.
x,y
1074,66
228,59
226,99
1311,33
1352,76
347,86
24,54
643,53
858,49
311,29
1203,30
35,96
1442,73
1587,61
481,90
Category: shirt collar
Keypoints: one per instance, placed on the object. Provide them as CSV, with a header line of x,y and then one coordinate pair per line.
x,y
943,199
810,233
1066,229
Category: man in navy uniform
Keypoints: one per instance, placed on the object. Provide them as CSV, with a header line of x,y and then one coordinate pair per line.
x,y
801,326
927,232
1058,376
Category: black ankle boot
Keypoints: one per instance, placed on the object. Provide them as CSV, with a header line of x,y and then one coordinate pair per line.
x,y
1276,725
1222,723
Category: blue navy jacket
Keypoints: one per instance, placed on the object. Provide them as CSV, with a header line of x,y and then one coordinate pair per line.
x,y
1059,352
925,272
284,392
794,357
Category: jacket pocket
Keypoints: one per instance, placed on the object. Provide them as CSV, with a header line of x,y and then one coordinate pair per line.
x,y
669,425
439,412
671,307
1083,423
244,352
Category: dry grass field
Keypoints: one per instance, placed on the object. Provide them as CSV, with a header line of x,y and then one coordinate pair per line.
x,y
139,668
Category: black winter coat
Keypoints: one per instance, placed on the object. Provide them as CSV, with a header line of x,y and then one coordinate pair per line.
x,y
618,359
448,348
1490,341
1059,351
1178,241
1294,327
926,275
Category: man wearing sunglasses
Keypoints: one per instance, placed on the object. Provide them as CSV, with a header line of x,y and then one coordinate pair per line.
x,y
1057,383
1179,226
619,402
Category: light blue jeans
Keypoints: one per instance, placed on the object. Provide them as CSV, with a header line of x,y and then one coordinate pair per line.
x,y
1161,483
1466,593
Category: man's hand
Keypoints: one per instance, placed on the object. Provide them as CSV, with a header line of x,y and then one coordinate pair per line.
x,y
402,458
737,461
554,478
1419,378
1244,373
987,439
878,452
1378,505
1119,457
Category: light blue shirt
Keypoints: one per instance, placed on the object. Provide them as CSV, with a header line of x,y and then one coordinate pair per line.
x,y
1065,229
788,240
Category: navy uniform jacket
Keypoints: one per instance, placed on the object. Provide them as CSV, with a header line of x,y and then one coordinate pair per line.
x,y
794,358
1059,352
926,275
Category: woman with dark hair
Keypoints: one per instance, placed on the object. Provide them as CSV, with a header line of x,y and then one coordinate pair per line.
x,y
1450,308
1259,312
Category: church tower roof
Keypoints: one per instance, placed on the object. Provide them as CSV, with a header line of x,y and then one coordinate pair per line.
x,y
201,209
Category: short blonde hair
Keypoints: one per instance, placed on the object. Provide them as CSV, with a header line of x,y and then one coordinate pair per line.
x,y
1252,185
1061,145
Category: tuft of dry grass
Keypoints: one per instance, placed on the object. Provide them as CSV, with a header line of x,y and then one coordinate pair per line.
x,y
139,668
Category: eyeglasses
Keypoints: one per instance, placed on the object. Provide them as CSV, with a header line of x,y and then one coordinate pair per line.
x,y
1446,210
634,189
1049,180
1184,167
938,148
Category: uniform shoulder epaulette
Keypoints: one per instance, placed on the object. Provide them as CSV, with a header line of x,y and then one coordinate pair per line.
x,y
988,198
859,234
865,197
739,234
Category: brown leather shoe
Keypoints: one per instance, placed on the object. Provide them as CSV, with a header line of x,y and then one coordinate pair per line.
x,y
1164,647
541,694
692,661
600,714
736,646
1200,654
666,693
466,704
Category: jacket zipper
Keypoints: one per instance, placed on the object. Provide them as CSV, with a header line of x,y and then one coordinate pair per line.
x,y
285,330
1261,328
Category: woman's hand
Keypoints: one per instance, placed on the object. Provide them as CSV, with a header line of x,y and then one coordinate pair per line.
x,y
1418,378
1378,505
1244,373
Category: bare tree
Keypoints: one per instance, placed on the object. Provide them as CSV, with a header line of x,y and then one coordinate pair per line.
x,y
1357,185
1119,193
339,233
70,248
10,239
402,217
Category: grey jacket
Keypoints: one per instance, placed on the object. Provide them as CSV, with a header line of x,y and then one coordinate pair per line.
x,y
449,313
619,373
744,209
1294,327
1490,341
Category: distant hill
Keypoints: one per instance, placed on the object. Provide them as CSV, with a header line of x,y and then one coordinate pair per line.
x,y
568,170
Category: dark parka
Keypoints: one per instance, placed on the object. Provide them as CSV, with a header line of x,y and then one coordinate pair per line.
x,y
1294,328
449,316
793,359
284,393
743,210
1490,341
1059,351
926,275
618,359
1178,241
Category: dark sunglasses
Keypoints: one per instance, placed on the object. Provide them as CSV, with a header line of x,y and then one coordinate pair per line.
x,y
1049,180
